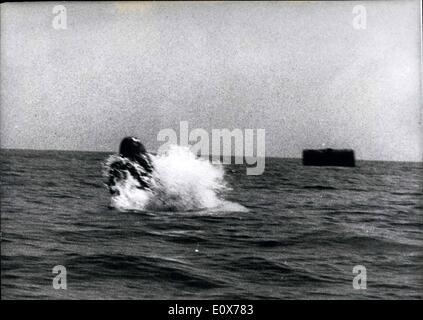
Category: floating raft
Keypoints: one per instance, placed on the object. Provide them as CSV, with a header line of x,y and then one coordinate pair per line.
x,y
329,157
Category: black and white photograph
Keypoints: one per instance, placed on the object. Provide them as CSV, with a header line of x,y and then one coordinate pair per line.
x,y
211,150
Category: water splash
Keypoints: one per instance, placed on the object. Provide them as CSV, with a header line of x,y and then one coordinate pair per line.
x,y
180,182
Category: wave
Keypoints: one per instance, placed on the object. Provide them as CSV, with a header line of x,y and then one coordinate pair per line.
x,y
319,187
180,182
151,268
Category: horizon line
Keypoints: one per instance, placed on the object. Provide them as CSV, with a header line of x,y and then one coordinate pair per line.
x,y
115,152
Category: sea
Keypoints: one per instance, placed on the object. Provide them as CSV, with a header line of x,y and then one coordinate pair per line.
x,y
210,231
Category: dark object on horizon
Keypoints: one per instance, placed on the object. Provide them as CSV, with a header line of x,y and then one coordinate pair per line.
x,y
329,157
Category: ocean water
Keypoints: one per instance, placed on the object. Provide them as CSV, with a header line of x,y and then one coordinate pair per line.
x,y
292,233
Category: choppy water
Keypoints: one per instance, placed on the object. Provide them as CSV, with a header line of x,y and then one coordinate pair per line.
x,y
303,231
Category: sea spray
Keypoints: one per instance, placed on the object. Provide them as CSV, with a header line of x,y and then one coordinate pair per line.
x,y
180,182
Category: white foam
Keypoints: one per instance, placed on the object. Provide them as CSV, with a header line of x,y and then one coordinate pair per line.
x,y
180,182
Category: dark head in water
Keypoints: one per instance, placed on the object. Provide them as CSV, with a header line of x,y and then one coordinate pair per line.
x,y
134,150
131,147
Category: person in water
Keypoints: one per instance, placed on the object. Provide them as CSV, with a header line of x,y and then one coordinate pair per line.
x,y
133,158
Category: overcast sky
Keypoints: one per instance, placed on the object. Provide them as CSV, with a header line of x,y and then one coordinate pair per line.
x,y
299,70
